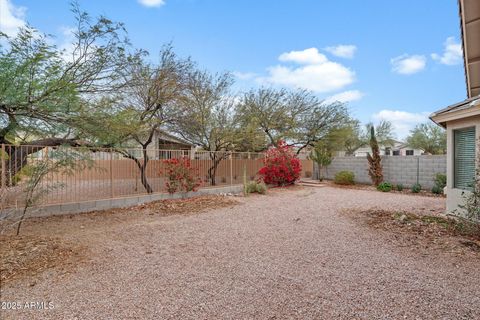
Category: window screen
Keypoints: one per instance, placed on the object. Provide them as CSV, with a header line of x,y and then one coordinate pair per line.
x,y
464,158
409,152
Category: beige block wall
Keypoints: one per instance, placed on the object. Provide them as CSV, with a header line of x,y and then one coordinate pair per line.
x,y
454,196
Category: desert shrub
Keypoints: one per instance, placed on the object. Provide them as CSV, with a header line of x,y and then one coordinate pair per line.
x,y
256,187
344,177
399,187
180,175
416,188
437,190
385,187
440,183
441,180
281,166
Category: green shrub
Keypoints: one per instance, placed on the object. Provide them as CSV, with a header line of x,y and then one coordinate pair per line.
x,y
256,187
440,180
385,187
344,177
400,187
437,190
440,183
416,188
261,188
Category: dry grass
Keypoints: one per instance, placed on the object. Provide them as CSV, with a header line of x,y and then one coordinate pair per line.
x,y
188,206
28,256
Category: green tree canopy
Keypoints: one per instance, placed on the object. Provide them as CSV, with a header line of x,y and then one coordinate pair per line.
x,y
297,117
429,137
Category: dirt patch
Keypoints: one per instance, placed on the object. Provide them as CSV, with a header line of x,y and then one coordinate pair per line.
x,y
292,187
187,206
424,231
28,256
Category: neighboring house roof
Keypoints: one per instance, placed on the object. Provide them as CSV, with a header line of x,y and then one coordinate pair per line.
x,y
464,109
397,145
171,138
470,30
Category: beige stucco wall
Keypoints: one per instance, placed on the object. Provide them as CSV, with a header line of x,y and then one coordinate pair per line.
x,y
454,196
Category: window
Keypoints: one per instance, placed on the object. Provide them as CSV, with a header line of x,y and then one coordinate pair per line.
x,y
388,151
409,152
464,158
396,152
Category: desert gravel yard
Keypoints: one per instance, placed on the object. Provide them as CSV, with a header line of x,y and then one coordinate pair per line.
x,y
292,254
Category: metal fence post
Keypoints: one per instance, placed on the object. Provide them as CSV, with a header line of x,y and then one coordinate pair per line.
x,y
111,173
231,169
3,167
418,170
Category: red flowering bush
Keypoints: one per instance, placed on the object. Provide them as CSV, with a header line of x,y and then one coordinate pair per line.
x,y
181,176
281,166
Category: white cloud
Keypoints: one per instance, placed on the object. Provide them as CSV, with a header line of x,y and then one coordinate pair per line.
x,y
346,96
152,3
452,53
244,75
11,17
406,64
317,73
402,121
307,56
343,51
67,45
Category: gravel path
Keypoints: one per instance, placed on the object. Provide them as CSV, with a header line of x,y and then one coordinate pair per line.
x,y
288,255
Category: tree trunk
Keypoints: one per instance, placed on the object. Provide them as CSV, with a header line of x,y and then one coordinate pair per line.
x,y
143,178
143,171
212,171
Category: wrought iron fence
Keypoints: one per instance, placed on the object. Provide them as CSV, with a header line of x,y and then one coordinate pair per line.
x,y
94,174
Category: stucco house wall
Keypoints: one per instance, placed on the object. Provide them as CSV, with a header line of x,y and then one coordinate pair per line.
x,y
454,196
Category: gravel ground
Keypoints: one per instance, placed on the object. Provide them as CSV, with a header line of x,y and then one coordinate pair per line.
x,y
290,254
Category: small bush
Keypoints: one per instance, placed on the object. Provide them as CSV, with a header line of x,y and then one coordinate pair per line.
x,y
440,183
256,187
441,180
400,187
261,188
308,174
181,176
345,177
416,188
385,187
437,190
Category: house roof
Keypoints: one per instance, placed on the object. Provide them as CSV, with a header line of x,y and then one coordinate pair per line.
x,y
467,108
470,30
171,138
469,11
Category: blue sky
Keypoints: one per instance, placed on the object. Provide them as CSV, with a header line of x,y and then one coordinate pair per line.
x,y
397,60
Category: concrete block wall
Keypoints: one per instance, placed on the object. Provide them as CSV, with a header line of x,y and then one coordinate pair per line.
x,y
124,202
406,170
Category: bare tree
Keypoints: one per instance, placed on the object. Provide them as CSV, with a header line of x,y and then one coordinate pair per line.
x,y
150,101
207,116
